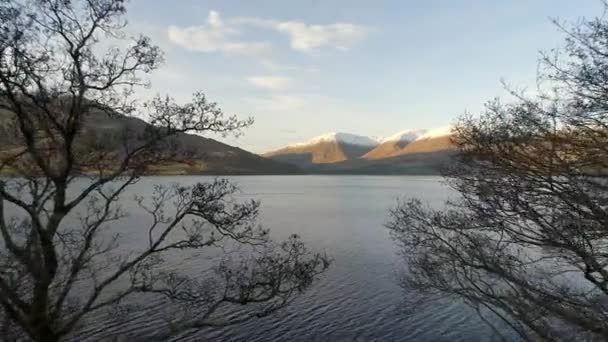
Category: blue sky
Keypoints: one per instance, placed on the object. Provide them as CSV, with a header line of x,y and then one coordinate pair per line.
x,y
307,67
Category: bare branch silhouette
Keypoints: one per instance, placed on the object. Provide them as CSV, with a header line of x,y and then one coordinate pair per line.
x,y
73,142
526,241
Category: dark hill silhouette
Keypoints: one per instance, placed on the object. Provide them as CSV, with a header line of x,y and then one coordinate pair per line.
x,y
196,154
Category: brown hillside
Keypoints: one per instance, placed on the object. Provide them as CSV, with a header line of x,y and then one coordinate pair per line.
x,y
325,152
386,150
392,149
435,144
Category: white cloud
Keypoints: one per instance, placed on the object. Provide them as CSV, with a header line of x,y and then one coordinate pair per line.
x,y
270,82
309,38
218,35
215,36
214,19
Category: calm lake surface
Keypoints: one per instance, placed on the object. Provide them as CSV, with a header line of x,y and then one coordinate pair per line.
x,y
359,297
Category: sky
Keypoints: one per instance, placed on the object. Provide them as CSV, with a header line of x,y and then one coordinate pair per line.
x,y
302,68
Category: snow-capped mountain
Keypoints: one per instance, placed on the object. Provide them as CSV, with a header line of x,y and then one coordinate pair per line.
x,y
408,135
435,140
327,148
393,144
436,133
411,142
339,137
417,150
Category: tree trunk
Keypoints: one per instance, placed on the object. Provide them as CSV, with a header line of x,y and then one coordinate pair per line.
x,y
44,333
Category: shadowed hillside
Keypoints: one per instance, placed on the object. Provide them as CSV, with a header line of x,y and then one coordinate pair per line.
x,y
429,163
194,154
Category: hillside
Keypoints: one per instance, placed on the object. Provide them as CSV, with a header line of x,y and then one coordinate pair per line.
x,y
413,142
406,152
430,163
393,145
198,155
326,149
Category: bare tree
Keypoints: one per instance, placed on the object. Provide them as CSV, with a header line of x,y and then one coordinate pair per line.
x,y
72,146
526,240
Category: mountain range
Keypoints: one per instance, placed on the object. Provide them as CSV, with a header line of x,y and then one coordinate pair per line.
x,y
406,152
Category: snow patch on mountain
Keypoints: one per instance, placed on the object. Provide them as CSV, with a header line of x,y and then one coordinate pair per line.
x,y
436,133
345,138
409,135
405,136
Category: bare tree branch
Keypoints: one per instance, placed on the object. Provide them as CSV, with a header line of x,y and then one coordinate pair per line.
x,y
67,175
